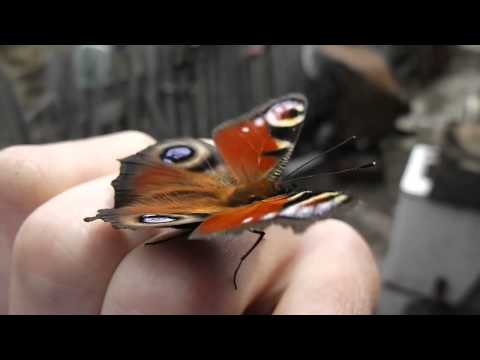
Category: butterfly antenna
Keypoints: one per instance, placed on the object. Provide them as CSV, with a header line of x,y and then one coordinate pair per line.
x,y
315,158
356,168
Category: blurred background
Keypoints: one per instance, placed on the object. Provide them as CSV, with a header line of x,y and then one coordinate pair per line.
x,y
415,110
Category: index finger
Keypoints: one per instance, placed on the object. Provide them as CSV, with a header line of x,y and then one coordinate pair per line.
x,y
33,174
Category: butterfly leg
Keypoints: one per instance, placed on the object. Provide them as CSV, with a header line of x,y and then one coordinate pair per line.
x,y
261,235
163,238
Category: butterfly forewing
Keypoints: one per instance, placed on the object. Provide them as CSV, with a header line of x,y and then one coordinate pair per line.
x,y
258,145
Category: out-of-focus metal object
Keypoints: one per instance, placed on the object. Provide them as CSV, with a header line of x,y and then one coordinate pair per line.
x,y
471,112
449,171
415,180
431,240
435,235
434,245
456,176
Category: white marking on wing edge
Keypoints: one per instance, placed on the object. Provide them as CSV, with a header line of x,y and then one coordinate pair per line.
x,y
259,122
323,208
270,216
305,211
289,211
271,117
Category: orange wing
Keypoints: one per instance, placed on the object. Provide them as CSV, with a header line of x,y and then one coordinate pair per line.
x,y
297,211
258,144
159,187
239,217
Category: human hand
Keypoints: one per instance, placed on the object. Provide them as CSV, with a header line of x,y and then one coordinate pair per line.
x,y
52,262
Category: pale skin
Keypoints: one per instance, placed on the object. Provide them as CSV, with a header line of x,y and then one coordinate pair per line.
x,y
52,262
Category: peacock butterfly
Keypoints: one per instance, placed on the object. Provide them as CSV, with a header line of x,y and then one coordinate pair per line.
x,y
209,190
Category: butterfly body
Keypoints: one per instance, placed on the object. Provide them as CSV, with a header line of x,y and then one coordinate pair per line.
x,y
222,188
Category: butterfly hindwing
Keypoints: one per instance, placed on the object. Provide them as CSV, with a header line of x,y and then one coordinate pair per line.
x,y
258,145
167,184
166,159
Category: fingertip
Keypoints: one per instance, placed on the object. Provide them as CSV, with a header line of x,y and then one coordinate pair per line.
x,y
335,272
43,171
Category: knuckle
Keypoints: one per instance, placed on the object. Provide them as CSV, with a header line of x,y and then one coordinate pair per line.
x,y
351,244
342,241
20,174
350,238
12,154
348,257
337,235
39,256
31,242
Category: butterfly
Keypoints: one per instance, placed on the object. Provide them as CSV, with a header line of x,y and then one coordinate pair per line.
x,y
224,188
